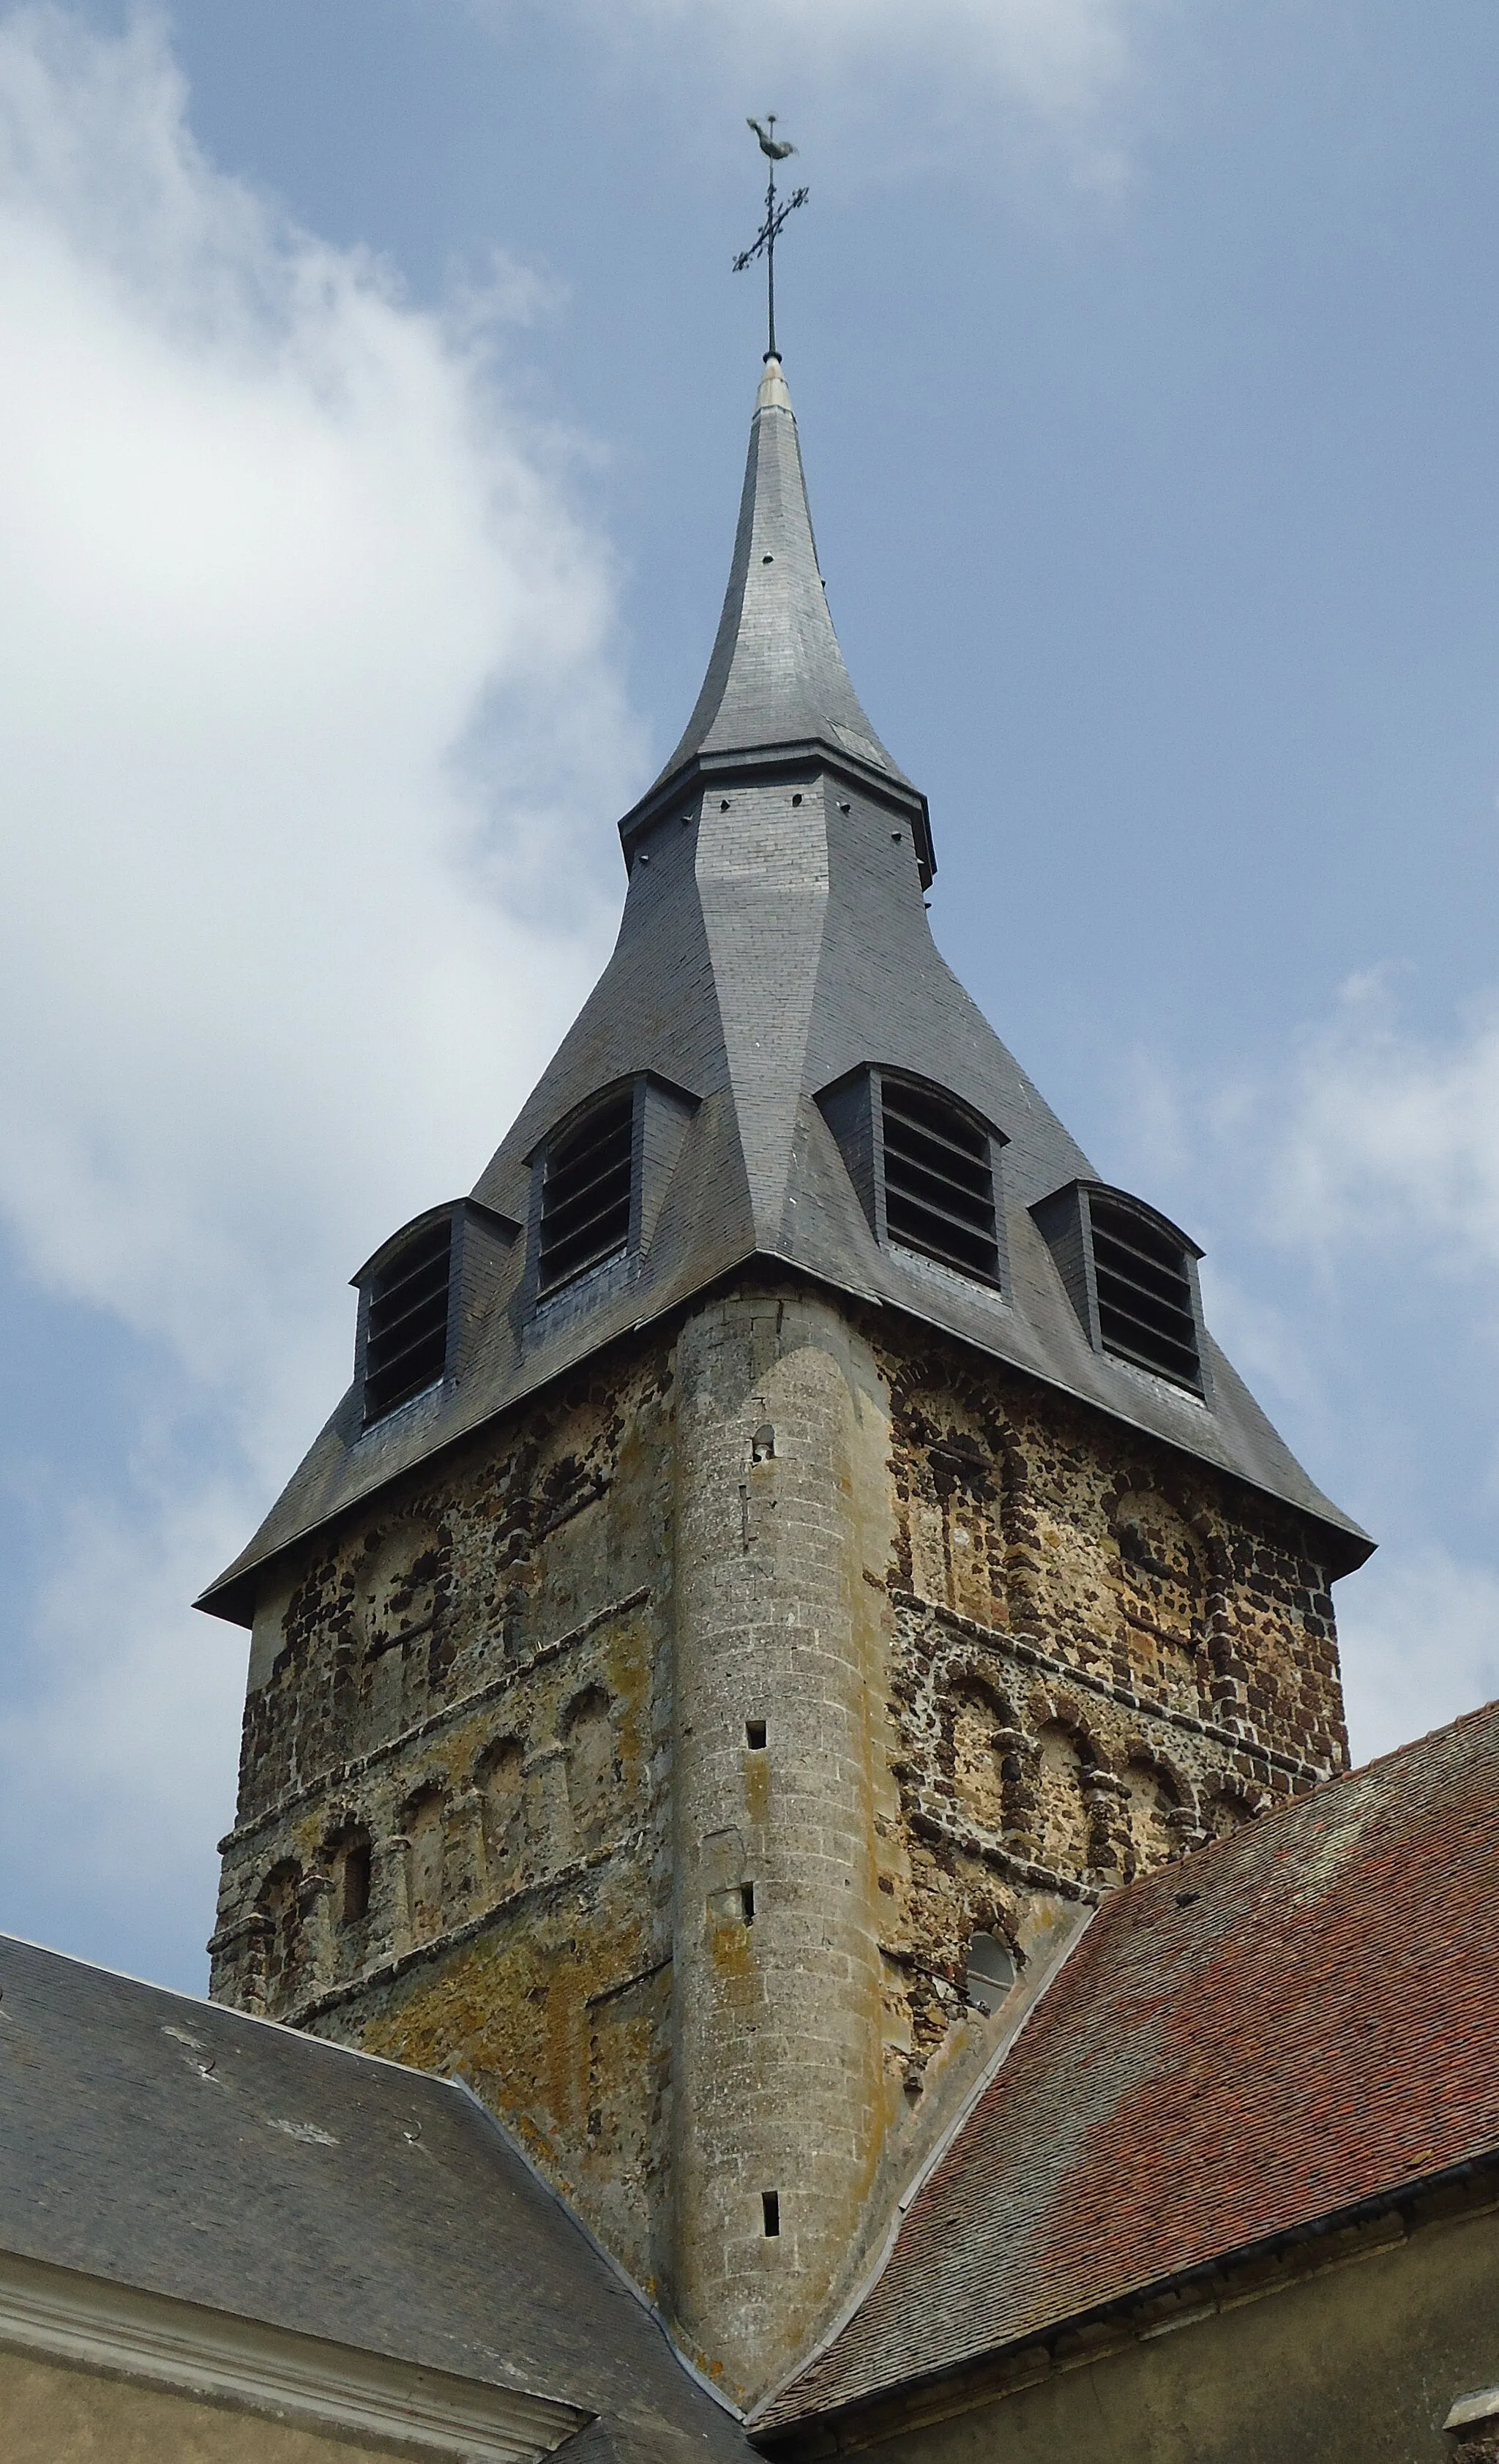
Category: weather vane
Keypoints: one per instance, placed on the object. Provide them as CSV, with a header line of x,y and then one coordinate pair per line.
x,y
775,150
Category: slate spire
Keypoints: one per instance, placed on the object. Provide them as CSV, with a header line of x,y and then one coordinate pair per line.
x,y
777,678
774,945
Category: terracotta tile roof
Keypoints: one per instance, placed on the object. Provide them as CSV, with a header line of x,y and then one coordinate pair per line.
x,y
1315,2027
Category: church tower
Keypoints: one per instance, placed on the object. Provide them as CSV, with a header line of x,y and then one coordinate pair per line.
x,y
791,1544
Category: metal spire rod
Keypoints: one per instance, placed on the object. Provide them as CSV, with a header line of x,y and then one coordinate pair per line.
x,y
775,150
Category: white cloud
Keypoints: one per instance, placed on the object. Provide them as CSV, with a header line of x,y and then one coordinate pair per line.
x,y
1380,1154
121,1742
1365,1161
305,683
1387,1138
1420,1634
1064,70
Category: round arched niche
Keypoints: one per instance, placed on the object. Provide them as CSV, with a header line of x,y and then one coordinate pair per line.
x,y
1062,1820
398,1594
397,1584
499,1776
1154,1799
952,1512
978,1719
1227,1810
347,1855
423,1820
587,1728
1160,1566
278,1901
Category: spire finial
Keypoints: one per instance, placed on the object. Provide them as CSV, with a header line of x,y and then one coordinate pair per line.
x,y
775,149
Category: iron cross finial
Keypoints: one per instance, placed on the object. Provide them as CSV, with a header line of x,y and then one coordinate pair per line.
x,y
775,150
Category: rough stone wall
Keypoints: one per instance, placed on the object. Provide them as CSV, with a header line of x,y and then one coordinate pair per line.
x,y
670,1760
1102,1655
452,1845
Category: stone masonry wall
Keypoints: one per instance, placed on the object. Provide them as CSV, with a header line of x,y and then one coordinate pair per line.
x,y
451,1843
683,1760
785,1539
1102,1655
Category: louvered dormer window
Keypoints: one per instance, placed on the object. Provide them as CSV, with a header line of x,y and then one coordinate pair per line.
x,y
926,1168
406,1340
938,1179
1145,1310
417,1295
586,1191
1130,1276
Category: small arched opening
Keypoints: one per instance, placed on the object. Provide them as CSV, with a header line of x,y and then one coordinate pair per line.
x,y
991,1971
1062,1805
279,1902
1154,1800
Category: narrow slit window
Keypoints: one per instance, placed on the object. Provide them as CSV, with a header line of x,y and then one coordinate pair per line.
x,y
747,1901
1145,1311
406,1344
755,1735
586,1192
770,2209
938,1180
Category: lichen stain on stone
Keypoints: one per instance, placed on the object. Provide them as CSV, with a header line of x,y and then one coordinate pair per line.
x,y
512,2019
732,1950
757,1786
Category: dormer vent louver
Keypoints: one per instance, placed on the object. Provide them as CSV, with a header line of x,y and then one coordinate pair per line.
x,y
406,1343
586,1192
1132,1277
1145,1310
926,1168
938,1179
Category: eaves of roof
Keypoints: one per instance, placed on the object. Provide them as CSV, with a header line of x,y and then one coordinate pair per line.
x,y
1291,2027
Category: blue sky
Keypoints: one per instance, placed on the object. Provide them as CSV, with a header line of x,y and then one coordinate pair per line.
x,y
369,442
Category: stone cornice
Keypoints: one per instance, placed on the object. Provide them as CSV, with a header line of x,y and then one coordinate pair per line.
x,y
1030,1654
118,2330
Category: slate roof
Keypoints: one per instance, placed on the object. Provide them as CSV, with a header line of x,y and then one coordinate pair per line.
x,y
1314,2028
775,937
172,2146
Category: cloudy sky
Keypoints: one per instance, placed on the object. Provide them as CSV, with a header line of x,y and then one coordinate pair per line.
x,y
371,413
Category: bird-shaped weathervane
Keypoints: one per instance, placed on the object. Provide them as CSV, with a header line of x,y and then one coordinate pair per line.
x,y
775,150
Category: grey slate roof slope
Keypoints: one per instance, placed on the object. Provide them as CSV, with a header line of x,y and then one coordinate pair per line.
x,y
187,2150
775,937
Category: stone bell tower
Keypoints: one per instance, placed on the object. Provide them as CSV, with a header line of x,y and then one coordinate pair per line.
x,y
789,1545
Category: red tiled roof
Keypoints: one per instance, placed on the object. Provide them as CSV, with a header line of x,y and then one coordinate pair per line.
x,y
1314,2028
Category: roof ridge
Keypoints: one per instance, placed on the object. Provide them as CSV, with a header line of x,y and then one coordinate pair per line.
x,y
575,2216
219,2010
